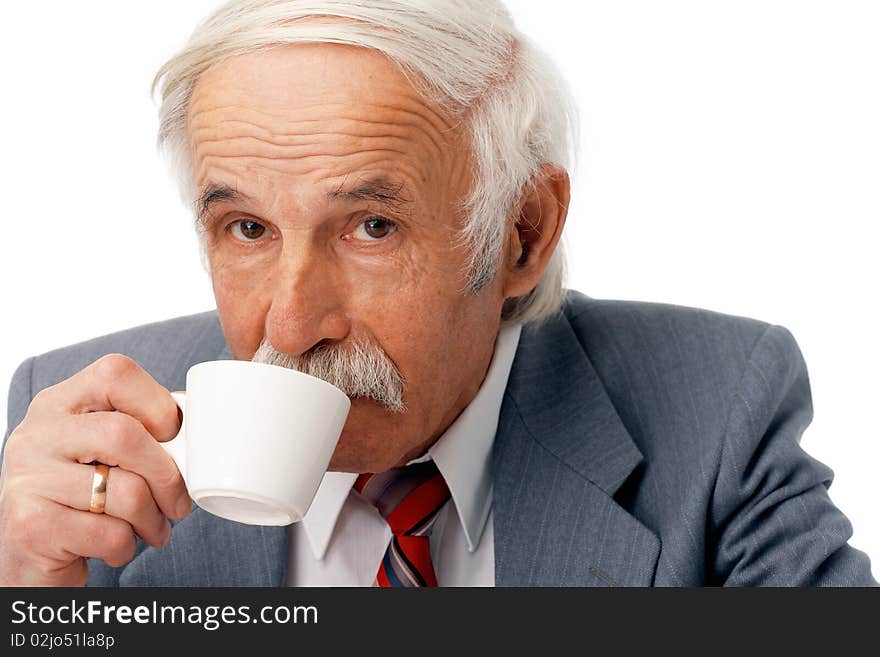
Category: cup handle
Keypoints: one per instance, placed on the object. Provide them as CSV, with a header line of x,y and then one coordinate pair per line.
x,y
176,447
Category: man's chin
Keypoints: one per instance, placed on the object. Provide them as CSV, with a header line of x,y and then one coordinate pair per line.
x,y
357,458
366,443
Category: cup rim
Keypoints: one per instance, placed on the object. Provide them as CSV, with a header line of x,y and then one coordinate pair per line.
x,y
249,364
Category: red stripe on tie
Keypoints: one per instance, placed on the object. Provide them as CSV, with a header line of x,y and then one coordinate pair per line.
x,y
361,482
418,505
382,578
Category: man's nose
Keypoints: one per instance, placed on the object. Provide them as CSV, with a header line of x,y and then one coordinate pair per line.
x,y
307,303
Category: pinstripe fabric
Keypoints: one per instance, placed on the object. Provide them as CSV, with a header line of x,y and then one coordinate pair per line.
x,y
409,498
638,444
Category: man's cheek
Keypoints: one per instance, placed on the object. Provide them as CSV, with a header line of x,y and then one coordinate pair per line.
x,y
242,307
239,279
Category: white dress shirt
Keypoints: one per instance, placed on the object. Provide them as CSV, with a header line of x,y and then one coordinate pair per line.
x,y
342,538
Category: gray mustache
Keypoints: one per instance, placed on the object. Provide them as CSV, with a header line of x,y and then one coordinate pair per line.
x,y
359,368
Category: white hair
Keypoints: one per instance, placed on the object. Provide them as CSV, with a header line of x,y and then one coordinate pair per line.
x,y
465,56
359,368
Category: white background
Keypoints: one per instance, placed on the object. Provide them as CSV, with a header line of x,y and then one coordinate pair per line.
x,y
730,159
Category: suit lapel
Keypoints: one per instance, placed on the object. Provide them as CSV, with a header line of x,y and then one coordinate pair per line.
x,y
209,551
560,454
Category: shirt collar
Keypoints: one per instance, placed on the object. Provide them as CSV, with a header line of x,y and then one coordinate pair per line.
x,y
462,454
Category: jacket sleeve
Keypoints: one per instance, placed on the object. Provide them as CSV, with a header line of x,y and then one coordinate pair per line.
x,y
772,522
20,395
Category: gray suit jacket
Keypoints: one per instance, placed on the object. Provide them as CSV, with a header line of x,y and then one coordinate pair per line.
x,y
638,444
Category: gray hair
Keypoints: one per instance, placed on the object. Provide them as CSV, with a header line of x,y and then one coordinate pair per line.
x,y
360,368
465,56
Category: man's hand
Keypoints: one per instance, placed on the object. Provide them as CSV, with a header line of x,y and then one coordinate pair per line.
x,y
112,412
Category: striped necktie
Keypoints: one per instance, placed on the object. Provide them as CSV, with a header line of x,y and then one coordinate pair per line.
x,y
409,498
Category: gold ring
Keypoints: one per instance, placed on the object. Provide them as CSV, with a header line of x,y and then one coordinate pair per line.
x,y
99,488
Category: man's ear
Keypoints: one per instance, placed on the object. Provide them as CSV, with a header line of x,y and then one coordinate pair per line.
x,y
538,224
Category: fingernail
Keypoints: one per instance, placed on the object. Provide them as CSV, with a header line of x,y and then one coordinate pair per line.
x,y
184,505
166,535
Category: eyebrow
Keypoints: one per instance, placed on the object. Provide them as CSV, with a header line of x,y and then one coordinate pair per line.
x,y
379,190
213,193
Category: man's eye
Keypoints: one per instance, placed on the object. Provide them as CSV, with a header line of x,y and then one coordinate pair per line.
x,y
374,228
247,230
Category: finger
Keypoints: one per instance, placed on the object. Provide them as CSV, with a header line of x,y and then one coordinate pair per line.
x,y
128,498
115,382
97,535
66,533
117,439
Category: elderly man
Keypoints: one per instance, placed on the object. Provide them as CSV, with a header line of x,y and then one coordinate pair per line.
x,y
380,189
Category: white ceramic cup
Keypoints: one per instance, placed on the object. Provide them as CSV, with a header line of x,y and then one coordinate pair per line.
x,y
256,439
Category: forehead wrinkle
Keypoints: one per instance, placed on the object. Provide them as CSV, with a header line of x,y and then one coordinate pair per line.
x,y
317,113
260,150
363,131
234,108
307,153
241,130
347,136
432,124
332,172
369,139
